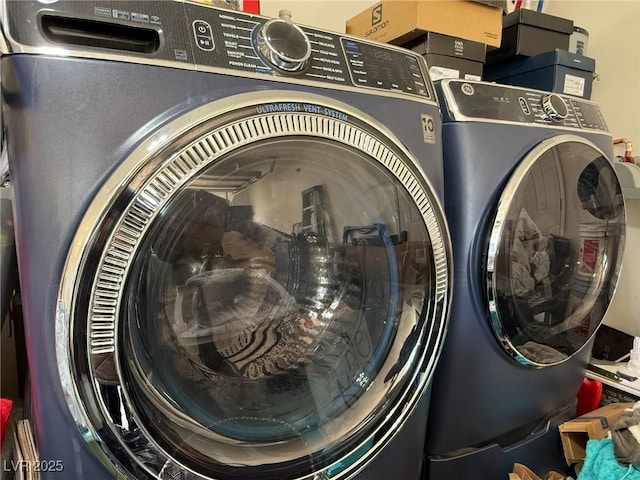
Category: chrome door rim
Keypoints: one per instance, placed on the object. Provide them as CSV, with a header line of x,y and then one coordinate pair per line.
x,y
155,185
514,182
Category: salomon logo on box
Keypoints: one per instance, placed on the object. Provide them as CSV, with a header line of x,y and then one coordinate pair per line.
x,y
376,15
376,21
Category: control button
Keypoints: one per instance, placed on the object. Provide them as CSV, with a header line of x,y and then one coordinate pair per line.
x,y
205,43
203,34
200,27
524,106
283,44
555,107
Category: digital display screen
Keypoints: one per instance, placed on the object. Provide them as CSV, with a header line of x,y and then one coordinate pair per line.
x,y
589,115
487,101
384,68
380,54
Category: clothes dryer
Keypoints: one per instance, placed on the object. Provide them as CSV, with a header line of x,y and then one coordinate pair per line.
x,y
537,223
232,256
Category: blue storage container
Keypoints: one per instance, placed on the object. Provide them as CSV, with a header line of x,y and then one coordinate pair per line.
x,y
555,71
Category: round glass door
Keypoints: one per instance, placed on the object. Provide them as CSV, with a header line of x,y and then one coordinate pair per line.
x,y
279,289
555,251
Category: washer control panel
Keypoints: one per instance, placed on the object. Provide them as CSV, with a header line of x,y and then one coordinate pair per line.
x,y
279,47
491,101
196,36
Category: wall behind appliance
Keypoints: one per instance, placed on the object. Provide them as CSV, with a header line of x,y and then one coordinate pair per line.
x,y
614,41
326,14
624,312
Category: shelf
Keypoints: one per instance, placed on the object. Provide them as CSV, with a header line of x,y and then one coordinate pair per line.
x,y
629,177
630,387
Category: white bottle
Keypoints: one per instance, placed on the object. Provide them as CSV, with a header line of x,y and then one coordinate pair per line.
x,y
634,359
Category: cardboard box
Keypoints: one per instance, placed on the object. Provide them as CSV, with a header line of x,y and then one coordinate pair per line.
x,y
440,44
556,71
450,57
399,21
527,32
592,426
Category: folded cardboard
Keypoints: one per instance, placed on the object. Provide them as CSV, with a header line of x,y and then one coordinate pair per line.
x,y
556,71
399,21
527,32
522,472
592,426
440,44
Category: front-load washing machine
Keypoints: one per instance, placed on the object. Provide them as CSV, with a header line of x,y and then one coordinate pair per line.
x,y
537,225
232,256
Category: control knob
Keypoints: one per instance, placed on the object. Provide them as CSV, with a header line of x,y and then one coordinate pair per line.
x,y
283,44
555,107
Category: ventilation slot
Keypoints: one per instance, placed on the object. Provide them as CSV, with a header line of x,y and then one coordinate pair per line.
x,y
92,33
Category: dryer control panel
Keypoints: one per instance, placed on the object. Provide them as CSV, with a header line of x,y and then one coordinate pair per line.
x,y
191,35
467,100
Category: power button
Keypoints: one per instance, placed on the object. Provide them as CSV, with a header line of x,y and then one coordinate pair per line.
x,y
203,35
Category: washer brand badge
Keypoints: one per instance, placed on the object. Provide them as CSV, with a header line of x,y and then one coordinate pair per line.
x,y
467,89
377,23
428,128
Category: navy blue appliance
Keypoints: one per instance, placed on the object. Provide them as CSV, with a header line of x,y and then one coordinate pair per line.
x,y
537,225
231,252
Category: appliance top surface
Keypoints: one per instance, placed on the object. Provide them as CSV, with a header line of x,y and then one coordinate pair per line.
x,y
471,101
192,36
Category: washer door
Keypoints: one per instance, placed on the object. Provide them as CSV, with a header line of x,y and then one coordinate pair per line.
x,y
262,292
555,251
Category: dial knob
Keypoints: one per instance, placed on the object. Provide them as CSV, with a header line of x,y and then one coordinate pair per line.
x,y
555,107
283,44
